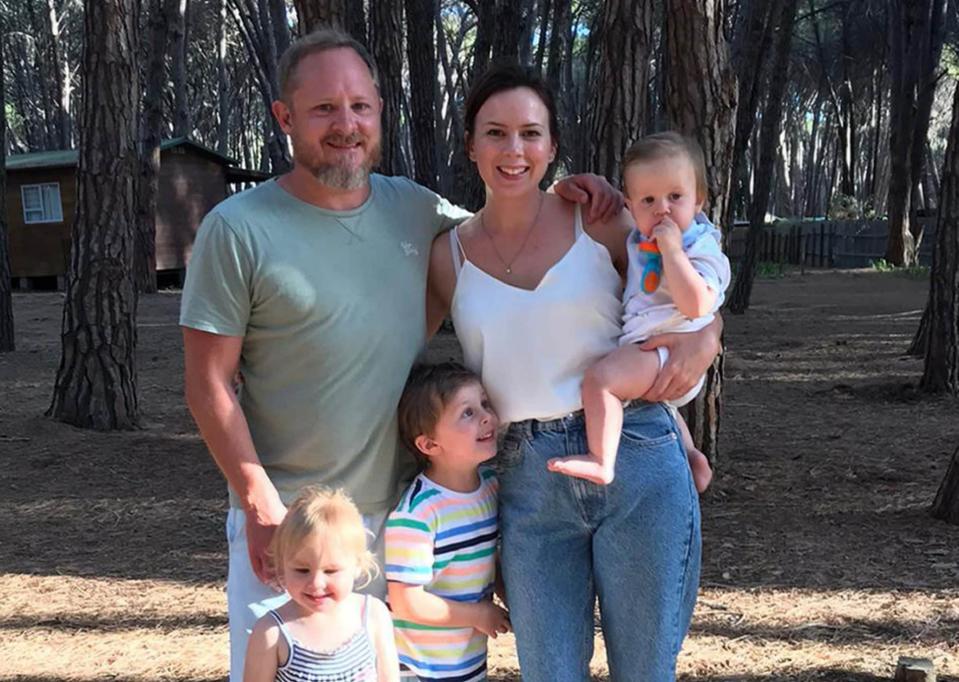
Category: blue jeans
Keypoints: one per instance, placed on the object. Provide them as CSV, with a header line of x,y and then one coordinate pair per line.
x,y
635,544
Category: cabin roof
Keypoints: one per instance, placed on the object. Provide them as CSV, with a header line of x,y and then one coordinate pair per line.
x,y
67,158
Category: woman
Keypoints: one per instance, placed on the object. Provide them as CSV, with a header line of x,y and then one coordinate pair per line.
x,y
534,294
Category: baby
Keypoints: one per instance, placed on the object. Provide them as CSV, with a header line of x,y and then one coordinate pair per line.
x,y
676,280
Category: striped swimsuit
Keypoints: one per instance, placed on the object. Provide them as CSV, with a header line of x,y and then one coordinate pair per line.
x,y
352,661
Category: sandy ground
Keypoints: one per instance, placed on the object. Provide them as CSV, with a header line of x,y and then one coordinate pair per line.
x,y
820,560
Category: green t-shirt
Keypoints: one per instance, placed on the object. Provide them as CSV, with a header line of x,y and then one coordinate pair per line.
x,y
331,308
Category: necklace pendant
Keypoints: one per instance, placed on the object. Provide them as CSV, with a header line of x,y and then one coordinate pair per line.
x,y
509,270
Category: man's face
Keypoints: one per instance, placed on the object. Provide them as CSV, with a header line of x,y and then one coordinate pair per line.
x,y
333,118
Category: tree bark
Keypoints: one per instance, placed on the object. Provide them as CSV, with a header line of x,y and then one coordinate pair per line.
x,y
914,33
224,96
254,21
182,126
421,55
616,116
941,366
347,15
768,147
7,339
61,80
701,102
386,43
946,505
163,16
96,383
749,49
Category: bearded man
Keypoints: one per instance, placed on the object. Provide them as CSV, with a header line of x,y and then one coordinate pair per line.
x,y
313,286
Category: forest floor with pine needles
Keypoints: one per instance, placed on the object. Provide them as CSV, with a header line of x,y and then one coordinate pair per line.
x,y
820,559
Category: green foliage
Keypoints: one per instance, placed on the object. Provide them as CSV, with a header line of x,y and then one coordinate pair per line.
x,y
910,272
764,270
845,207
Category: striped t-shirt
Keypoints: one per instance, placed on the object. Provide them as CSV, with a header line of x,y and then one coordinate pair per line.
x,y
445,541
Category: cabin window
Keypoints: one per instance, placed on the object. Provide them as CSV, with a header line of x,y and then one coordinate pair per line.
x,y
41,203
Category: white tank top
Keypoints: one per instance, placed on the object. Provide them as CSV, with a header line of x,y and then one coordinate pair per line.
x,y
531,348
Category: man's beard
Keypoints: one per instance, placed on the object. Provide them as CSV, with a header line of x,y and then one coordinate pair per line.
x,y
343,176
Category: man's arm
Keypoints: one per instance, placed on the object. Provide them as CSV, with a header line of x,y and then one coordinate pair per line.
x,y
210,364
604,202
690,355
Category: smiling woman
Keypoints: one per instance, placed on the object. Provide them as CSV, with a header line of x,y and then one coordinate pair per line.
x,y
534,293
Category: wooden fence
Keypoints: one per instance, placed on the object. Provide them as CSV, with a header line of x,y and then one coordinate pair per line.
x,y
826,243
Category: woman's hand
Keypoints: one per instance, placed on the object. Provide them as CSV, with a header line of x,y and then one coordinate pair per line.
x,y
690,355
604,201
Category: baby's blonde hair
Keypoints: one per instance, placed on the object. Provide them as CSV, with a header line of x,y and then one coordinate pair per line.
x,y
667,145
331,516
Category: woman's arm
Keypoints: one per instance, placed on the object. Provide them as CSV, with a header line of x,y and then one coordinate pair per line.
x,y
387,661
690,355
439,283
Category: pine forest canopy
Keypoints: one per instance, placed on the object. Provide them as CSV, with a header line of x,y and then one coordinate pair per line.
x,y
832,154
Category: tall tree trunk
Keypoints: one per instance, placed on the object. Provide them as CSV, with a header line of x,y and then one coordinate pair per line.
x,y
941,367
61,72
485,28
925,96
460,167
421,56
749,49
701,92
163,15
96,383
182,126
768,147
946,504
386,43
223,94
254,22
622,75
347,15
46,78
914,32
701,102
7,341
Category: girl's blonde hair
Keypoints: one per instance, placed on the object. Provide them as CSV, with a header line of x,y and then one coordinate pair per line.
x,y
327,514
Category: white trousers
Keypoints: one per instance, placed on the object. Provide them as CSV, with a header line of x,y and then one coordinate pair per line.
x,y
248,599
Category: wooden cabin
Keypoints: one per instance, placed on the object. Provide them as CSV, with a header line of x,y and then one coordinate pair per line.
x,y
42,201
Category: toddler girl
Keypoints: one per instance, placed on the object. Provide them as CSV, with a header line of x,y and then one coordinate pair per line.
x,y
326,631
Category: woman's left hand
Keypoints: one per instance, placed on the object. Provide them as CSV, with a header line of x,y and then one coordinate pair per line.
x,y
690,355
604,201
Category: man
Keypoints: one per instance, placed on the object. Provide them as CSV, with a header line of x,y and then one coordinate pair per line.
x,y
314,286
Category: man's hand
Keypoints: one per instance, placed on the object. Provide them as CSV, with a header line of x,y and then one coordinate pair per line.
x,y
261,523
605,201
690,355
668,236
492,620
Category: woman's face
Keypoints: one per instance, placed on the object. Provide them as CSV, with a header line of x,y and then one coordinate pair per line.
x,y
511,144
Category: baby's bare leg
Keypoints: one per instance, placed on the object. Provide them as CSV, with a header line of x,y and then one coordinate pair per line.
x,y
698,462
625,374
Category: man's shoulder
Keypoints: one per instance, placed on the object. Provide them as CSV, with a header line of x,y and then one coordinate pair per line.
x,y
240,207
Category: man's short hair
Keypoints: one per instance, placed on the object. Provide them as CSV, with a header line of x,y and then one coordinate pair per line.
x,y
429,389
667,145
318,41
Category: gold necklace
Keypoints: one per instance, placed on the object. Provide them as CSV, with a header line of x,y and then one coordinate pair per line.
x,y
529,231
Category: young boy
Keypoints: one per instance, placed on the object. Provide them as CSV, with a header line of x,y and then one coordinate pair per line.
x,y
676,281
441,538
